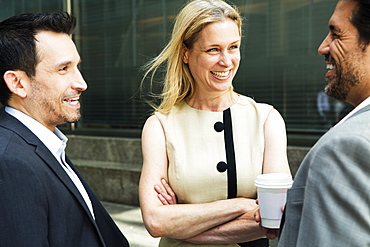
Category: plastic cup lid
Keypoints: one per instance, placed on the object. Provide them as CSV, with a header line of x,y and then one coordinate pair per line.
x,y
274,180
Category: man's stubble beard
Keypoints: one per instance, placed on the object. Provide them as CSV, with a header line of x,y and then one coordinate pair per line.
x,y
347,75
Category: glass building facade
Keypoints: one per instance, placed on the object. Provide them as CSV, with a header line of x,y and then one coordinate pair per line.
x,y
279,65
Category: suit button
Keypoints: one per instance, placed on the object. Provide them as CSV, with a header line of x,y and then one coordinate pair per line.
x,y
221,166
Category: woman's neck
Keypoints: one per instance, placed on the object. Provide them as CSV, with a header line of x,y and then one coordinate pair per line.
x,y
213,103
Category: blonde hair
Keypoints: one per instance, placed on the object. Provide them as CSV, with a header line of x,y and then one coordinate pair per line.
x,y
179,83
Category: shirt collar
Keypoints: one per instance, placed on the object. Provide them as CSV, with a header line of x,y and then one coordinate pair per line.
x,y
55,141
359,107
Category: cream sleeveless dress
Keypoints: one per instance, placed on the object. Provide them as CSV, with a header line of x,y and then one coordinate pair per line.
x,y
195,149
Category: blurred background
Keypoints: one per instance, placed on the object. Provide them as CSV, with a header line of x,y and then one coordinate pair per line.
x,y
279,65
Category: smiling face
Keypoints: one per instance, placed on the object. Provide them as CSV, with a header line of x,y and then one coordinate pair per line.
x,y
345,58
55,89
214,58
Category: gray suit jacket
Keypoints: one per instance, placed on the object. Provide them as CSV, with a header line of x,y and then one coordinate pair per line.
x,y
329,203
39,204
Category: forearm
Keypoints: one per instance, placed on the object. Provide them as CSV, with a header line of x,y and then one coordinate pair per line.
x,y
241,229
183,221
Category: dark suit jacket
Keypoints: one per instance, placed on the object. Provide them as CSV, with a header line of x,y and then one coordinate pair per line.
x,y
329,203
39,204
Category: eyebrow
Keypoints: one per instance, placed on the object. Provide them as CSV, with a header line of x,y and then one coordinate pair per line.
x,y
333,28
64,63
216,44
236,41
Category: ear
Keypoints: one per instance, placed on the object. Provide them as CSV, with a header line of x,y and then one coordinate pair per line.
x,y
16,80
185,54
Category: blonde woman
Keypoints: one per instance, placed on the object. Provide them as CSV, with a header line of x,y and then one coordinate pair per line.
x,y
205,144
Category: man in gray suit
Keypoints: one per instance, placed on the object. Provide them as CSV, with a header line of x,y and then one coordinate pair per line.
x,y
329,203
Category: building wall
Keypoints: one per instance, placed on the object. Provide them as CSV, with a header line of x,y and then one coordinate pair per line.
x,y
112,166
279,66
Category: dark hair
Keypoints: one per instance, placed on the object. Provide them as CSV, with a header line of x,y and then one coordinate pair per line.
x,y
18,43
361,20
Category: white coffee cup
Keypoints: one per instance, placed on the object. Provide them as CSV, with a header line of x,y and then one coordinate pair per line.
x,y
271,192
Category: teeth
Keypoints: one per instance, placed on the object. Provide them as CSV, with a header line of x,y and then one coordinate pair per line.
x,y
220,74
72,101
330,66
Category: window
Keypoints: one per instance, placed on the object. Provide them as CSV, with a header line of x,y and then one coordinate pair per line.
x,y
10,8
279,65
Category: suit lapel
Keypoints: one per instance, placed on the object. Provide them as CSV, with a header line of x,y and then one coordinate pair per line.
x,y
50,160
94,200
56,167
13,124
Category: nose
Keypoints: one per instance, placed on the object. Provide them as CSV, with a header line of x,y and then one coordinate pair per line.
x,y
226,59
79,83
324,48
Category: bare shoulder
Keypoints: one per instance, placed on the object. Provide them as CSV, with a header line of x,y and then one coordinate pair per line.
x,y
152,134
274,115
152,120
274,120
152,123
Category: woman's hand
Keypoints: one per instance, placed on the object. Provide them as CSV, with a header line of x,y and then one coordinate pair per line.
x,y
167,197
270,233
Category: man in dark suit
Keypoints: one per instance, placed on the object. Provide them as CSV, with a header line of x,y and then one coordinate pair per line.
x,y
43,199
329,203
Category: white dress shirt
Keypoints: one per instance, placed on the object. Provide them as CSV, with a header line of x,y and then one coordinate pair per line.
x,y
56,142
359,107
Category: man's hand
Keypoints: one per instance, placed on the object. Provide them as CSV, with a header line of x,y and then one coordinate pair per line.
x,y
167,197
